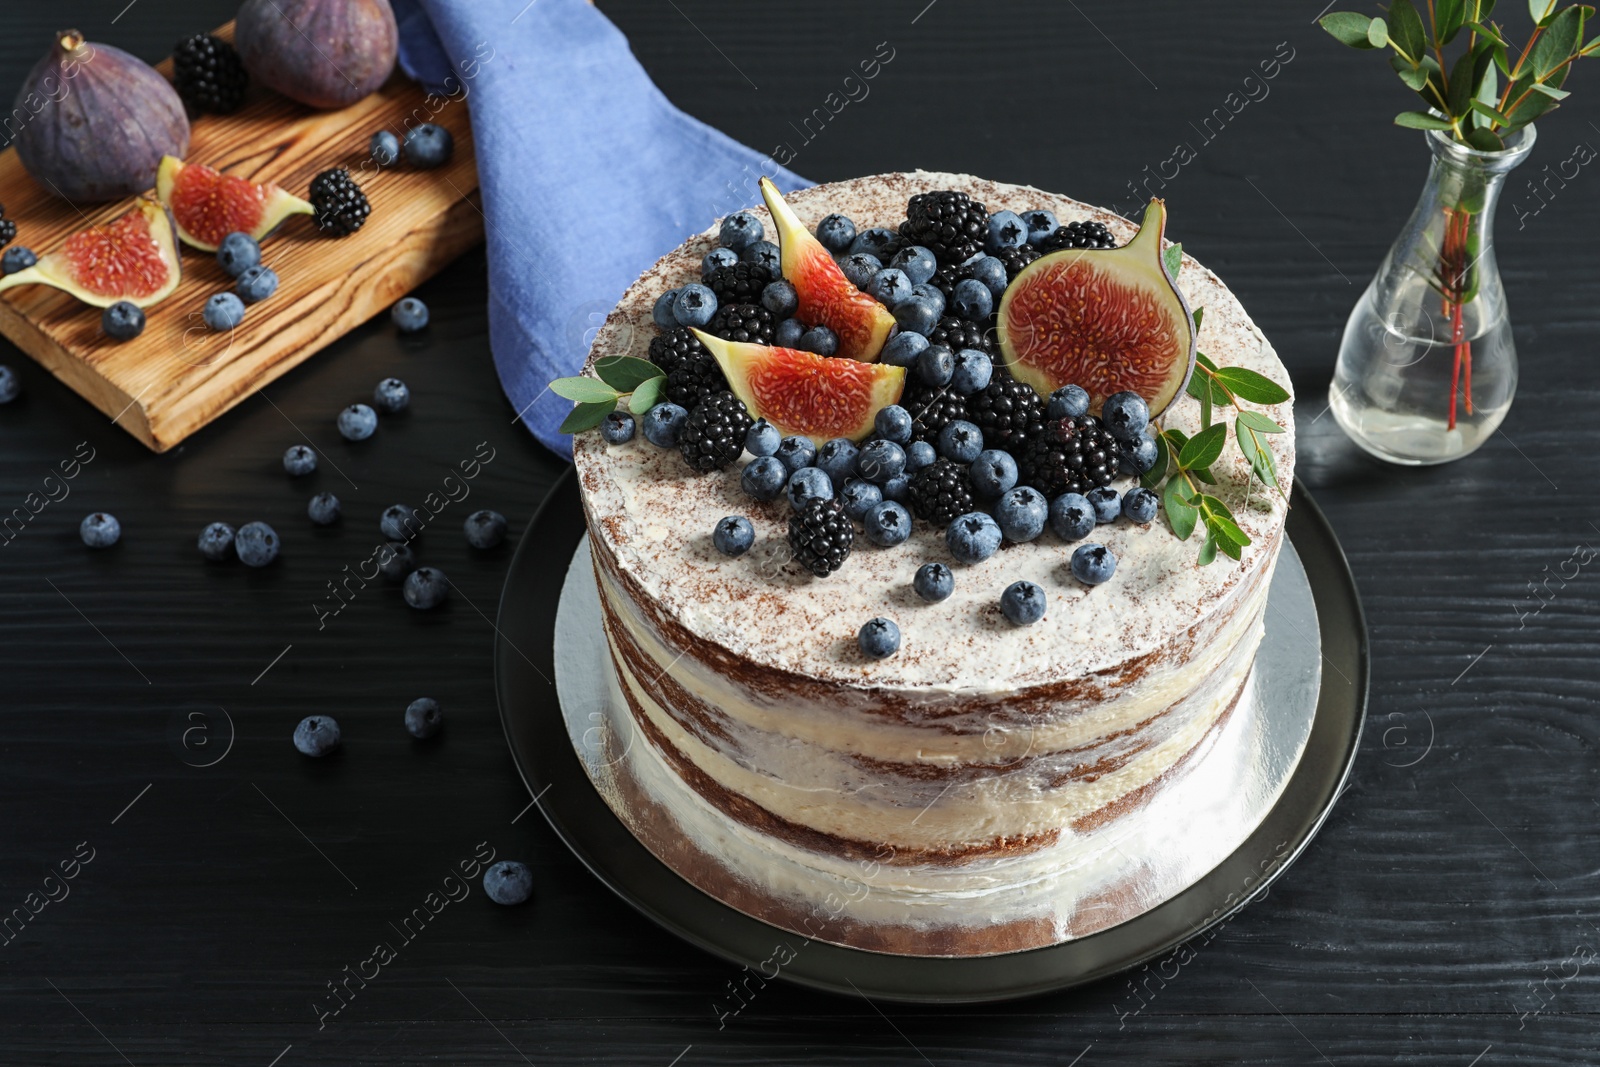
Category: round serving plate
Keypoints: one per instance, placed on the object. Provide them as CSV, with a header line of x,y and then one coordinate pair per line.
x,y
543,740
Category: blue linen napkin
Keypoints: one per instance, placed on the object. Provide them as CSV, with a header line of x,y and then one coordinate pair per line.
x,y
588,174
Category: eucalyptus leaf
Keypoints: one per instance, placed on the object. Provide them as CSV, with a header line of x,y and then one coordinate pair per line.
x,y
584,390
1549,90
1448,16
1252,386
1541,10
587,416
1378,33
1531,107
647,394
625,373
1152,477
1173,258
1483,29
1259,422
1485,140
1406,31
1414,77
1229,548
1420,120
1204,448
1208,551
1490,113
1350,28
1213,506
1558,41
1180,514
1199,316
1462,85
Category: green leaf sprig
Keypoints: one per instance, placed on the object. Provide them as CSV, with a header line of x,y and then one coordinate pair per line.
x,y
638,380
1464,95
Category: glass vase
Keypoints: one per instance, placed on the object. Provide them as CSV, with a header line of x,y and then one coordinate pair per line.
x,y
1427,367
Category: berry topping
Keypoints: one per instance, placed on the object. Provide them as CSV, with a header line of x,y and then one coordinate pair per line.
x,y
821,537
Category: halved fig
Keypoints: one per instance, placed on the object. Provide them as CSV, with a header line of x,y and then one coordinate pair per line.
x,y
207,204
804,394
1106,319
826,296
133,257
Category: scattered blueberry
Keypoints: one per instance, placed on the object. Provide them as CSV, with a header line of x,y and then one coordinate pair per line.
x,y
1023,603
898,489
256,543
919,454
9,386
971,300
323,509
425,588
762,439
256,283
1068,402
299,460
1107,503
917,262
695,305
1140,505
797,452
819,339
663,423
934,582
888,524
1140,456
764,477
881,460
808,484
15,258
780,298
838,459
317,735
860,496
917,316
836,232
662,314
1040,223
237,253
409,314
485,528
973,370
357,422
1022,513
99,530
788,332
890,286
893,423
216,541
936,366
717,257
733,535
1072,516
122,321
879,241
993,473
223,311
384,148
878,638
1126,415
1006,230
973,537
1093,564
739,231
931,293
399,522
508,882
860,267
423,718
396,560
765,254
428,145
991,272
960,441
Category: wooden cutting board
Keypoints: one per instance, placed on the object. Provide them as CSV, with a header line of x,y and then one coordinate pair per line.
x,y
178,375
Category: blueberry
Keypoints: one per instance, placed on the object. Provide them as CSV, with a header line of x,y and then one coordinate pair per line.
x,y
931,293
99,530
739,231
919,454
717,257
971,300
917,262
762,439
317,735
797,452
122,321
960,441
934,582
890,286
409,314
661,314
216,541
1071,516
808,484
663,423
15,258
1006,230
1068,402
391,395
878,638
898,489
299,460
1093,564
1022,513
1107,503
256,283
879,241
887,524
1140,456
384,148
917,315
617,428
323,509
1023,603
973,370
935,366
991,272
764,254
237,253
1126,415
223,311
893,423
993,473
423,718
733,535
838,459
395,560
836,232
973,537
399,522
256,543
859,267
1140,505
764,477
819,339
425,588
860,496
484,528
508,882
780,298
1040,223
357,422
9,386
881,460
428,146
695,305
788,333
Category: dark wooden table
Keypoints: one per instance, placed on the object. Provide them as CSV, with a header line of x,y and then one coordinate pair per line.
x,y
1446,915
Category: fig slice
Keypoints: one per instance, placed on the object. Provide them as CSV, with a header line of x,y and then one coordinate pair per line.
x,y
134,257
826,296
1105,319
207,204
804,394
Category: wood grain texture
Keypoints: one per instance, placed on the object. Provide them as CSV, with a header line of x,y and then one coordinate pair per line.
x,y
178,375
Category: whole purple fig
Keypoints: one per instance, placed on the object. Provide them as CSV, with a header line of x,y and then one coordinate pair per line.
x,y
95,121
325,53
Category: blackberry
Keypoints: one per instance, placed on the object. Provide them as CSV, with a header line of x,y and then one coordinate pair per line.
x,y
941,492
1078,235
1071,455
951,225
1016,258
669,350
931,407
739,284
209,74
750,323
956,334
340,207
694,379
8,231
820,536
714,435
1008,412
945,278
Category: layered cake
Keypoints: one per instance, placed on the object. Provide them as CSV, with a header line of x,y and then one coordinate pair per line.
x,y
973,781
